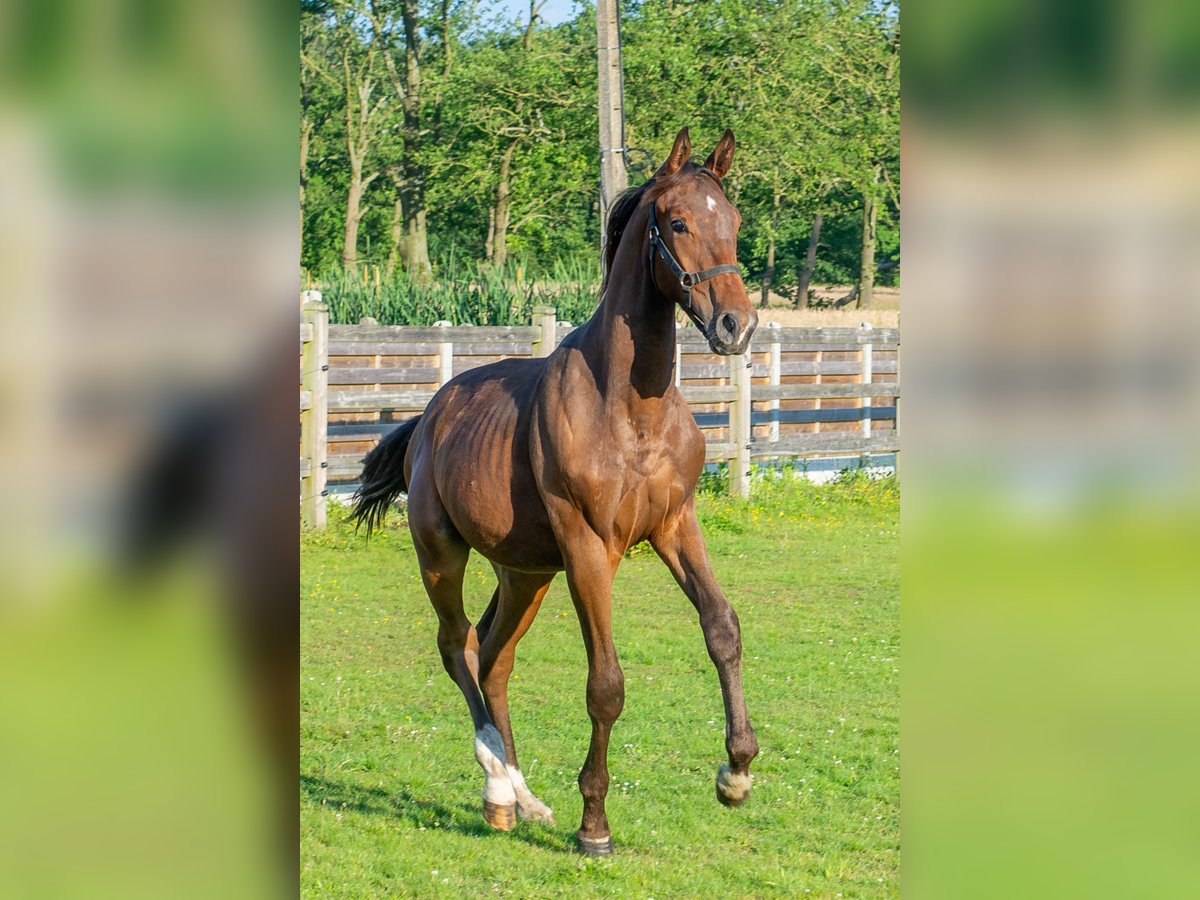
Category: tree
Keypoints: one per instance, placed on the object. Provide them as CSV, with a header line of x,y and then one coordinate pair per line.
x,y
452,131
351,67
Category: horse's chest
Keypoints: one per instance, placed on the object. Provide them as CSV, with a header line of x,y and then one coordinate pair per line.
x,y
640,486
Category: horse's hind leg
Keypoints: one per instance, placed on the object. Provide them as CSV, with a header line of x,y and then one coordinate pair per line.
x,y
442,554
508,617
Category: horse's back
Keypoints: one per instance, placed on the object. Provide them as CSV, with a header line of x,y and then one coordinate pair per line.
x,y
474,452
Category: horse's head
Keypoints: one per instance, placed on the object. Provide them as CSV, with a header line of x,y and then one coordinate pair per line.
x,y
693,245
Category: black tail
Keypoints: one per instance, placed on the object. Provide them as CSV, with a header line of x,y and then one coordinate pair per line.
x,y
383,476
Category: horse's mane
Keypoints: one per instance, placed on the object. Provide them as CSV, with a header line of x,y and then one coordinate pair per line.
x,y
619,215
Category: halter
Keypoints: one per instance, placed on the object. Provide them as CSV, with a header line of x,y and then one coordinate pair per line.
x,y
687,280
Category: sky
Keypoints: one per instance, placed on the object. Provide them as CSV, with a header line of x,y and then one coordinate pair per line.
x,y
553,12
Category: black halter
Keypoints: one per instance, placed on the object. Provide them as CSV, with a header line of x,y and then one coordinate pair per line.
x,y
687,280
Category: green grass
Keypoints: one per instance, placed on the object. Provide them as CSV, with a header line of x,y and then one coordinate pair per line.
x,y
390,790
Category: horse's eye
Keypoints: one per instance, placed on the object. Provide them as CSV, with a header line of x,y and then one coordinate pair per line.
x,y
678,225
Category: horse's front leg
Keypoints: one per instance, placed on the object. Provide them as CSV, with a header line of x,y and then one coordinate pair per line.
x,y
590,569
681,546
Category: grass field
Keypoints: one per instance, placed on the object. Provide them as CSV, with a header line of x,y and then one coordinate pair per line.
x,y
390,790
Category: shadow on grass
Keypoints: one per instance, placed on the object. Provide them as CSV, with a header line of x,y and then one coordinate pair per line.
x,y
403,805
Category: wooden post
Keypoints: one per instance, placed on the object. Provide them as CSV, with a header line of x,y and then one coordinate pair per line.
x,y
613,176
820,380
678,363
776,375
314,382
740,375
445,356
868,352
543,320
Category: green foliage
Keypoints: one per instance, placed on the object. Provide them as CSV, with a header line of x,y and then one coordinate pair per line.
x,y
809,88
462,293
390,790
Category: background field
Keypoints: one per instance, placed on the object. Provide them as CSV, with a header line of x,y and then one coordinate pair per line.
x,y
390,790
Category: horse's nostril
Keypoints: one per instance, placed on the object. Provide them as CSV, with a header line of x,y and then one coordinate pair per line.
x,y
729,323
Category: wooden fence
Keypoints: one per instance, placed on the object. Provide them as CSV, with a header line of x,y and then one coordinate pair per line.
x,y
797,392
314,408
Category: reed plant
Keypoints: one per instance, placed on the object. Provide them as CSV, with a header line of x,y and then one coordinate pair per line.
x,y
461,292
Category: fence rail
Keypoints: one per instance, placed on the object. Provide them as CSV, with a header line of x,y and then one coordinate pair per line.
x,y
809,392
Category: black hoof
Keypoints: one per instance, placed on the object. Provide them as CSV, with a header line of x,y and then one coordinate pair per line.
x,y
595,846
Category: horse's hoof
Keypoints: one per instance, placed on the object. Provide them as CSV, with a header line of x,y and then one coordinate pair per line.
x,y
500,817
732,789
595,846
540,813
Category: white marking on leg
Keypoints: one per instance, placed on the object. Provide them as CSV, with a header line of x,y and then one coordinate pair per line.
x,y
529,806
489,751
733,786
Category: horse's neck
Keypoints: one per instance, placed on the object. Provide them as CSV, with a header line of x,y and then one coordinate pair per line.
x,y
630,341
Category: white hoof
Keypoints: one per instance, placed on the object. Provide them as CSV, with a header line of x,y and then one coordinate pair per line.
x,y
529,807
489,751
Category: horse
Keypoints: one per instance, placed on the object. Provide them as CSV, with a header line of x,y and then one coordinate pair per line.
x,y
563,463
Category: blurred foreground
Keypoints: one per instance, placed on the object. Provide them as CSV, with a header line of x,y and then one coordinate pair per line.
x,y
148,618
1051,438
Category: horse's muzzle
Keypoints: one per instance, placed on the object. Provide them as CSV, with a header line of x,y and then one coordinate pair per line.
x,y
730,330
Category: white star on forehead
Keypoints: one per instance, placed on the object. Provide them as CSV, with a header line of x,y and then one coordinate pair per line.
x,y
712,203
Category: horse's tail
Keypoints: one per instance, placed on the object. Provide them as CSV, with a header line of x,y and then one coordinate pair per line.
x,y
383,476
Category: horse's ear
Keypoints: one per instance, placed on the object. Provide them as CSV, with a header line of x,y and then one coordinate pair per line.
x,y
678,156
721,159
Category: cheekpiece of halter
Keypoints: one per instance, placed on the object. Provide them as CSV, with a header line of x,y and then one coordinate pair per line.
x,y
687,280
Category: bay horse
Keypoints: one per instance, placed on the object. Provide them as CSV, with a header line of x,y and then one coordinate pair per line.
x,y
564,463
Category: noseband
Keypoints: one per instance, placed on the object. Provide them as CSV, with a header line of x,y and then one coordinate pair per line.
x,y
687,280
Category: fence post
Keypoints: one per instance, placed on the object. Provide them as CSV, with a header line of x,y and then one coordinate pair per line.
x,y
445,356
776,377
868,352
543,320
740,376
314,380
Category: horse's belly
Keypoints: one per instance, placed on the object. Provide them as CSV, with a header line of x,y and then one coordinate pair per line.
x,y
486,484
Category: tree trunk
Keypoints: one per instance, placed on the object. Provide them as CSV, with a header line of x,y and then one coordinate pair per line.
x,y
354,214
306,126
503,212
489,249
416,240
866,278
397,235
360,125
769,272
416,244
810,262
306,129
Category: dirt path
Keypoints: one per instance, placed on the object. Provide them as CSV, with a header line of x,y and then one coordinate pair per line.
x,y
884,314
